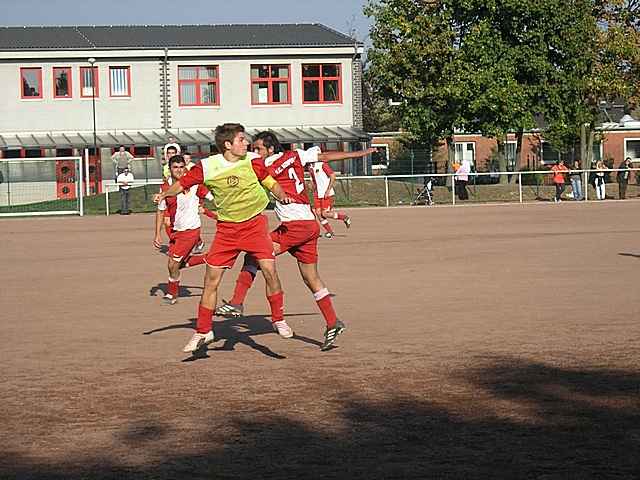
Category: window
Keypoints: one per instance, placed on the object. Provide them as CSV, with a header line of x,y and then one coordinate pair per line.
x,y
87,78
631,149
510,153
381,157
465,151
119,81
198,85
322,83
270,84
62,82
31,81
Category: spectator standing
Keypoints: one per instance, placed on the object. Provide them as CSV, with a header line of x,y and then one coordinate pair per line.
x,y
462,178
559,170
121,160
575,175
623,177
599,183
125,179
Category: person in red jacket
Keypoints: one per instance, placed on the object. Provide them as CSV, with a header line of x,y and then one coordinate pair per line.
x,y
559,170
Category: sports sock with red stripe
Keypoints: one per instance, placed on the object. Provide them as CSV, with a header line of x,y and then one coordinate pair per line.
x,y
276,302
243,284
205,319
323,299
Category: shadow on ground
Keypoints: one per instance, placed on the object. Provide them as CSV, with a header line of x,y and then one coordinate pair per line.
x,y
578,424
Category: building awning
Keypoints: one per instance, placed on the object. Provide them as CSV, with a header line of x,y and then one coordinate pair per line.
x,y
183,137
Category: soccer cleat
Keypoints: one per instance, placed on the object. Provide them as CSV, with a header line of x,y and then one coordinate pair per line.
x,y
283,329
198,340
347,221
328,235
331,334
229,310
199,248
169,299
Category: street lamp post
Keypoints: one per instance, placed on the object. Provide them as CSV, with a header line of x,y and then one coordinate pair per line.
x,y
92,61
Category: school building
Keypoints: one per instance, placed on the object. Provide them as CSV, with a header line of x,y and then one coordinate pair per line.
x,y
67,90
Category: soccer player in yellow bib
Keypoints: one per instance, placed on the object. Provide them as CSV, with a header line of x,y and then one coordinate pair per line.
x,y
236,178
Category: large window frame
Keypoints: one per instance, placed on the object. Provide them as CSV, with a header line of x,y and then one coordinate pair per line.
x,y
127,68
198,82
39,83
270,80
95,78
67,70
321,79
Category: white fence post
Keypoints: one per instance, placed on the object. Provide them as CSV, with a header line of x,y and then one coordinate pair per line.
x,y
386,190
106,196
80,192
86,171
453,189
520,185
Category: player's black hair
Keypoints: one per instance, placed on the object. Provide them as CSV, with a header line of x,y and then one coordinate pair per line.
x,y
172,147
176,159
270,140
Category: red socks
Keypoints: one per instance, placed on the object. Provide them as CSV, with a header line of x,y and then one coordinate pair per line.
x,y
340,216
323,299
325,224
173,287
205,319
276,302
243,284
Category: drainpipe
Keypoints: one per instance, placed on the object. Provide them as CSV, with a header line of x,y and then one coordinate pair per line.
x,y
165,92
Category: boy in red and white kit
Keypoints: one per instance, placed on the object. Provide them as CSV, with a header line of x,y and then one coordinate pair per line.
x,y
184,219
236,178
324,178
298,231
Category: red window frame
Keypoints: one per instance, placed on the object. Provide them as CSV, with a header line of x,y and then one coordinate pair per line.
x,y
128,69
197,82
30,97
269,80
96,79
321,79
69,79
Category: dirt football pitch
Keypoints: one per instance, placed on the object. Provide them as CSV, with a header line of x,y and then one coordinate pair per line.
x,y
482,342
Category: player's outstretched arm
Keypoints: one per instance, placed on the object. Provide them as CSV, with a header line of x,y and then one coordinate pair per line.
x,y
336,155
172,191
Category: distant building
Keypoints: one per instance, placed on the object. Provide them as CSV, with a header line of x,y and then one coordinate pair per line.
x,y
303,81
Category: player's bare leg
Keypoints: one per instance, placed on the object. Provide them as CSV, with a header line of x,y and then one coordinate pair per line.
x,y
324,223
235,306
335,215
311,277
204,325
275,297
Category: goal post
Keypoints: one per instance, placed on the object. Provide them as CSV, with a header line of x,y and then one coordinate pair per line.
x,y
41,186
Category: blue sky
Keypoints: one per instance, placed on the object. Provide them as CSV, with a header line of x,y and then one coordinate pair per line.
x,y
338,14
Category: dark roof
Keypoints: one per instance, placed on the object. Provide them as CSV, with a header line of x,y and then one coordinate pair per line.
x,y
171,36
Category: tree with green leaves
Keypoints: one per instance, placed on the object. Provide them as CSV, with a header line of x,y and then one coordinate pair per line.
x,y
493,66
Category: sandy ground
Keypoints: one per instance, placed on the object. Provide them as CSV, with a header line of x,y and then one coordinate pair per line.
x,y
482,342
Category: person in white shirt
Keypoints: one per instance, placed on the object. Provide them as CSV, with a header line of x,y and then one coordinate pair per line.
x,y
125,179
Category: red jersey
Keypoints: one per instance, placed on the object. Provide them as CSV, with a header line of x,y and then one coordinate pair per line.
x,y
288,170
320,173
183,208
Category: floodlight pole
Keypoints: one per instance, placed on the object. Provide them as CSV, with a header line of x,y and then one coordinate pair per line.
x,y
92,61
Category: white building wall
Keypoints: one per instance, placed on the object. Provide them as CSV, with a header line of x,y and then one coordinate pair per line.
x,y
143,109
235,97
140,111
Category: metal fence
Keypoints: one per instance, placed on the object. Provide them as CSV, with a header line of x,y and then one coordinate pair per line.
x,y
440,189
